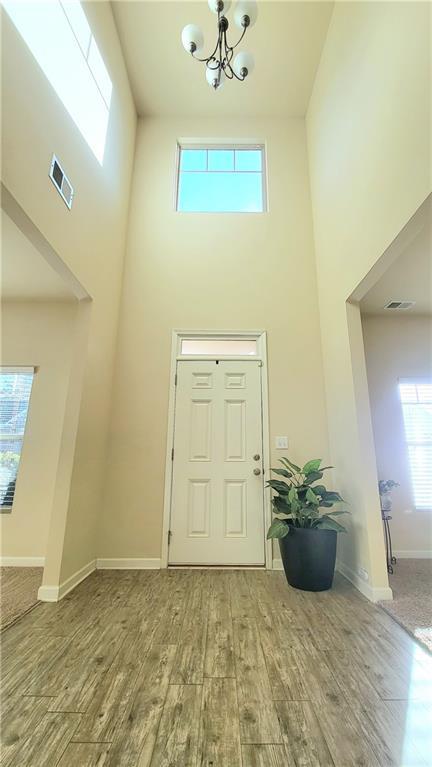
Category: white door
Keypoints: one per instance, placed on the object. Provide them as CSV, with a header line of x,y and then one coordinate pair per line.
x,y
217,508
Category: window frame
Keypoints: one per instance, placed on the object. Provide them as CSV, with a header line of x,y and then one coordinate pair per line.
x,y
214,144
17,370
86,52
92,65
410,443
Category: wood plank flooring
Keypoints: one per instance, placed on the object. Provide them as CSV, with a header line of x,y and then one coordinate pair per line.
x,y
18,592
212,668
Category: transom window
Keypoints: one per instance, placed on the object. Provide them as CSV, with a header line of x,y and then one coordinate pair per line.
x,y
15,390
59,37
219,347
416,399
221,179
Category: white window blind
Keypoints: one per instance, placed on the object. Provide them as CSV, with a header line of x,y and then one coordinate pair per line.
x,y
15,390
416,399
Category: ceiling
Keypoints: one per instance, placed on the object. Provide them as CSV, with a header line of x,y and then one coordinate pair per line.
x,y
25,275
286,42
408,278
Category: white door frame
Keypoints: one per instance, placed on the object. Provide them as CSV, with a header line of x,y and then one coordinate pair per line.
x,y
177,337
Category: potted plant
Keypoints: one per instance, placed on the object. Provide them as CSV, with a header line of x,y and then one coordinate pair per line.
x,y
307,537
385,487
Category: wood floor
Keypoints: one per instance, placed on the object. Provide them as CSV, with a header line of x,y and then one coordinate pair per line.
x,y
18,591
204,668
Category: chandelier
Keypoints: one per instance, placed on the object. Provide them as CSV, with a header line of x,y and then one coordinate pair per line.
x,y
222,64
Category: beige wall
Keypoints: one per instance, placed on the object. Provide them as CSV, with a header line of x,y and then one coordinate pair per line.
x,y
368,144
90,239
398,348
209,271
37,334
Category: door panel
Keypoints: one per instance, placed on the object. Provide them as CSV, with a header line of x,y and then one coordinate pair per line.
x,y
217,512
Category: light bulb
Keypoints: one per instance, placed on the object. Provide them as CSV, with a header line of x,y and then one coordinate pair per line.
x,y
219,5
212,76
243,61
192,39
245,8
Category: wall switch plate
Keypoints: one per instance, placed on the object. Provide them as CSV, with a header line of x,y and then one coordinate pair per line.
x,y
281,443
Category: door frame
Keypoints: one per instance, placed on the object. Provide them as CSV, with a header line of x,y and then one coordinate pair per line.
x,y
260,336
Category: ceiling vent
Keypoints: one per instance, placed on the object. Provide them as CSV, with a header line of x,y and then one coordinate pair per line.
x,y
61,181
399,305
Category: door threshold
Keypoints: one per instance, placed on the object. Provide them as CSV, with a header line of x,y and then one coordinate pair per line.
x,y
216,567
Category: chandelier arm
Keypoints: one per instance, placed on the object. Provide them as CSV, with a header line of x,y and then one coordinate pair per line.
x,y
231,47
228,51
228,71
234,74
212,58
212,55
221,58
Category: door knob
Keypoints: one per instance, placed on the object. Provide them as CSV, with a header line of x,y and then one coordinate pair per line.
x,y
256,457
257,472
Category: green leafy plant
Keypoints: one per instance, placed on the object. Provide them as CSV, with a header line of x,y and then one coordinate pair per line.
x,y
386,485
298,500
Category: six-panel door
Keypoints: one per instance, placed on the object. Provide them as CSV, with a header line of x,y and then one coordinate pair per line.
x,y
217,515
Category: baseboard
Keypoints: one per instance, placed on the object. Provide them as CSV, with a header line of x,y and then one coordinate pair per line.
x,y
128,563
22,561
374,594
55,593
407,554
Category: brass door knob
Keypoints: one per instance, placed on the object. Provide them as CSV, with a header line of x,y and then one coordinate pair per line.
x,y
256,457
257,472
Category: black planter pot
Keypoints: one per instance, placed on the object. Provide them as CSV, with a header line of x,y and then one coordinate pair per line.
x,y
309,556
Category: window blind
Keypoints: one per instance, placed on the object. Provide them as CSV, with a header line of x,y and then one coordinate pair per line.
x,y
15,390
416,400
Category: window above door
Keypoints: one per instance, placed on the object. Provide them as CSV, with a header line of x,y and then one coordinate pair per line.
x,y
221,178
222,347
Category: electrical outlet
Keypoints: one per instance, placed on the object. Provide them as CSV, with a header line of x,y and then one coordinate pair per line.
x,y
281,443
364,575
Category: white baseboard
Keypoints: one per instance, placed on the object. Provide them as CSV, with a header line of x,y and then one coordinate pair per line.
x,y
128,563
374,594
55,593
22,561
407,554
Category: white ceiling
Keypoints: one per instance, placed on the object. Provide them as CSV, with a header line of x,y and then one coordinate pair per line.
x,y
286,42
408,278
25,275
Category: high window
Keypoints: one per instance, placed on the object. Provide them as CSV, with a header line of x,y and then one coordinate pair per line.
x,y
15,390
59,37
416,399
221,179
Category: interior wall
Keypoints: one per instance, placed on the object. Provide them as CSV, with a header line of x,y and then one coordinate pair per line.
x,y
369,157
90,239
37,334
398,347
209,271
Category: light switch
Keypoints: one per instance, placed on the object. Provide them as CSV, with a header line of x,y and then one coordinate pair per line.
x,y
281,443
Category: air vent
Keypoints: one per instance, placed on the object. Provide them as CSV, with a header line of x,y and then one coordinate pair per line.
x,y
61,181
399,305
